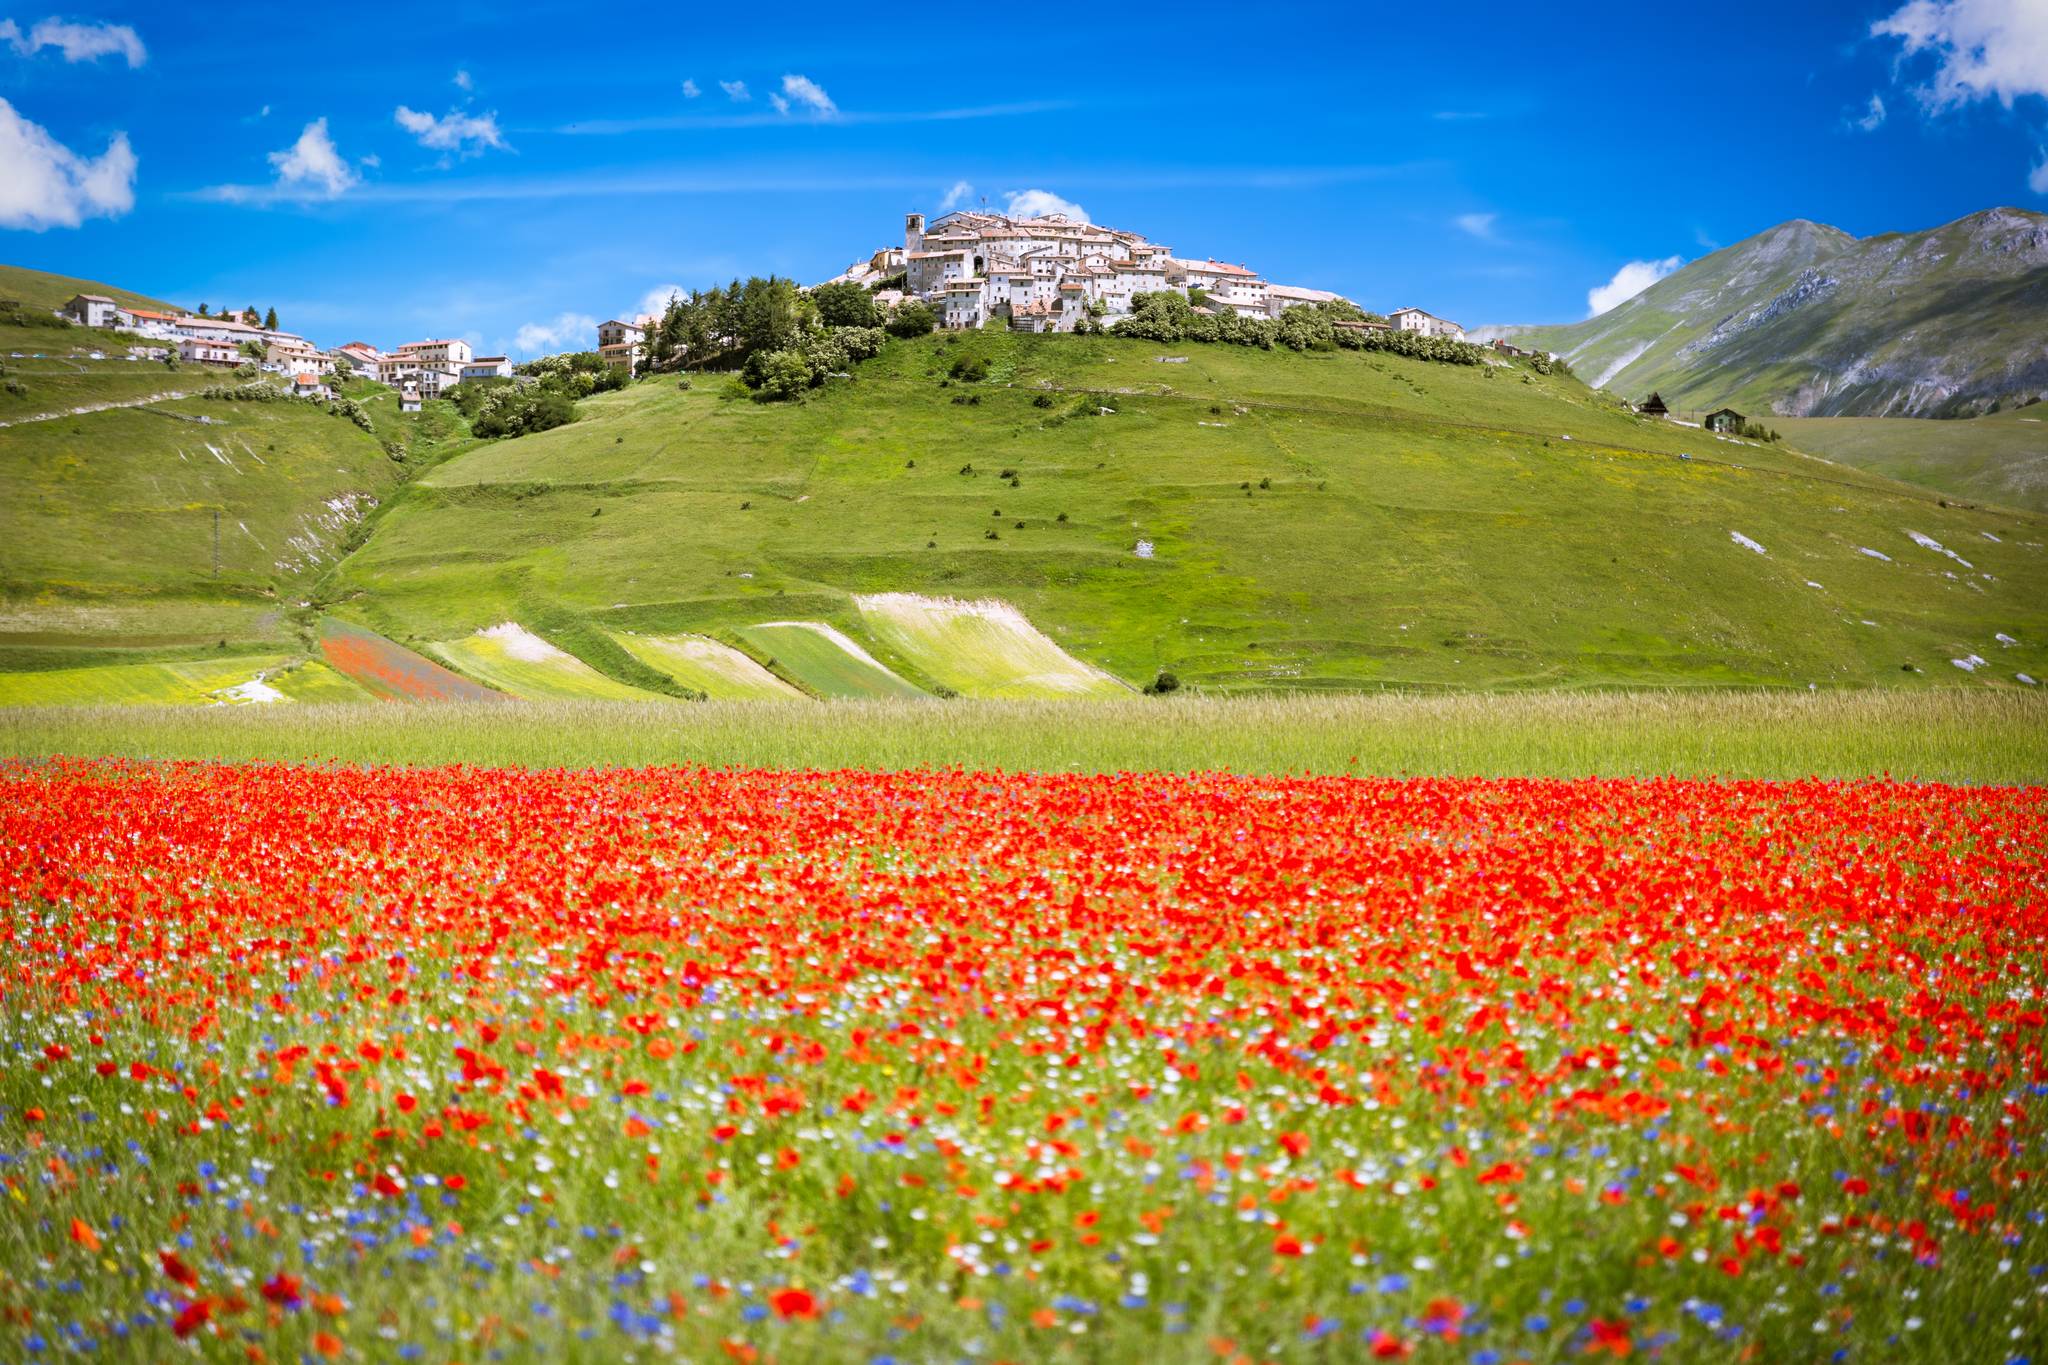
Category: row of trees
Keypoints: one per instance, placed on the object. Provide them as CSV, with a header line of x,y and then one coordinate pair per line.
x,y
1170,317
249,315
542,396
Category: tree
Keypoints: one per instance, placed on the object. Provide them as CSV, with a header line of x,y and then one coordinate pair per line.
x,y
202,310
778,375
846,305
270,321
914,319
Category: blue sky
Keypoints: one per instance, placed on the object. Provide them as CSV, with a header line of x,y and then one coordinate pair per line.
x,y
512,173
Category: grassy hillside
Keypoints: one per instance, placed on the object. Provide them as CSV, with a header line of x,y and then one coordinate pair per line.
x,y
2001,458
40,289
1244,519
1805,319
108,522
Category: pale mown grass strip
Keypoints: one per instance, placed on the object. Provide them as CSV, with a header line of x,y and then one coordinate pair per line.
x,y
1935,736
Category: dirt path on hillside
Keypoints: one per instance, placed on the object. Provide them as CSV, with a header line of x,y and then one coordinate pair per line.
x,y
96,407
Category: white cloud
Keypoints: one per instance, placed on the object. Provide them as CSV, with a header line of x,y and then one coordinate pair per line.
x,y
655,300
690,90
1872,118
45,184
958,195
2037,180
808,93
1982,49
462,81
736,91
454,132
779,104
1041,204
1629,281
568,332
1479,225
312,164
78,42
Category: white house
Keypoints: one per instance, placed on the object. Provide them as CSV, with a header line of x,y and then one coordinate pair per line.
x,y
295,356
618,343
488,367
452,352
93,310
409,399
1281,297
1427,324
311,386
208,351
153,324
357,357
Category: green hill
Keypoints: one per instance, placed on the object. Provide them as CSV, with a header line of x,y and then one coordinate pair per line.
x,y
40,289
2001,457
1806,320
1241,518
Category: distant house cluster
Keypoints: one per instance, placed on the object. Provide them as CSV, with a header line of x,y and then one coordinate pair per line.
x,y
418,369
1047,274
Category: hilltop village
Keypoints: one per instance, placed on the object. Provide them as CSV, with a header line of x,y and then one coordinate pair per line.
x,y
964,270
227,340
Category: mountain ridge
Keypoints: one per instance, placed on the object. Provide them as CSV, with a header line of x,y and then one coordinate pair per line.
x,y
1806,319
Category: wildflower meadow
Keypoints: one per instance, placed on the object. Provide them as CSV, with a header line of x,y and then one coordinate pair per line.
x,y
457,1064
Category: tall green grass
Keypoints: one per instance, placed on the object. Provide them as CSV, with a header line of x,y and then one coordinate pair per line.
x,y
1957,736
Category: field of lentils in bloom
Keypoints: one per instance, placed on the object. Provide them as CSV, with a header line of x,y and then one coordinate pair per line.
x,y
470,1065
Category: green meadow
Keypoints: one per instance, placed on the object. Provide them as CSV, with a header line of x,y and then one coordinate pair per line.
x,y
1978,736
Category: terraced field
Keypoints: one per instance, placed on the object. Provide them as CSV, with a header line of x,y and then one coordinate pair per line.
x,y
981,649
513,660
717,670
389,671
238,680
825,661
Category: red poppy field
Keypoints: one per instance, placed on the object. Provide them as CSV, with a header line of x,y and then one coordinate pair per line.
x,y
460,1064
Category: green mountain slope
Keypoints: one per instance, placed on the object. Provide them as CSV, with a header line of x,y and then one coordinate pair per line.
x,y
40,289
2001,458
1806,320
1244,519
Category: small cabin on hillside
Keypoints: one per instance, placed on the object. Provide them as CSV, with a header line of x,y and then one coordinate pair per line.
x,y
1653,406
1726,420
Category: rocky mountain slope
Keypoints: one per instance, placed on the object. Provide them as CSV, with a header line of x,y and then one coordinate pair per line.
x,y
1807,320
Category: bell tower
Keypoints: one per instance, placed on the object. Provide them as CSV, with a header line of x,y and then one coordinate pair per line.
x,y
913,233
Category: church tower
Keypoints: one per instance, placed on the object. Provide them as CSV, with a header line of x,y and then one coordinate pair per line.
x,y
913,233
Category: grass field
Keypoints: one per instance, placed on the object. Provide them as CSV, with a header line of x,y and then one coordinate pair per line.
x,y
1950,736
204,682
2002,458
41,290
513,660
981,649
823,660
1245,520
717,670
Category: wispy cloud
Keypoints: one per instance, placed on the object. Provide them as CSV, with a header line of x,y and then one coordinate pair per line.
x,y
690,90
2037,179
313,163
1478,225
456,133
736,91
1458,116
44,184
568,332
1979,50
1042,204
463,81
690,180
1629,281
78,42
1872,117
956,196
675,123
806,93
